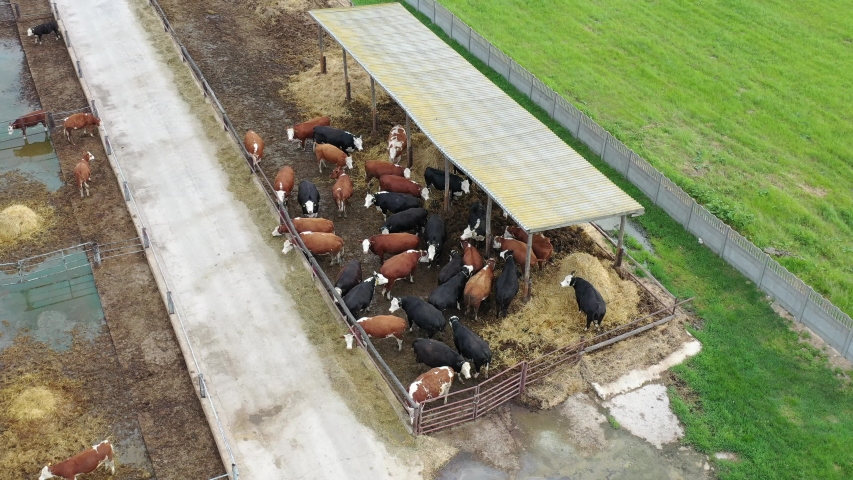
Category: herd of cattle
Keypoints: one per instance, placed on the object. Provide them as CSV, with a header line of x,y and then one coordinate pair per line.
x,y
411,235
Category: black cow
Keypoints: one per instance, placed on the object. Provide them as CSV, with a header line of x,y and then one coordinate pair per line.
x,y
435,354
420,313
435,234
476,228
435,178
337,137
453,267
470,345
360,296
44,29
309,198
506,288
348,277
589,300
406,221
391,202
449,294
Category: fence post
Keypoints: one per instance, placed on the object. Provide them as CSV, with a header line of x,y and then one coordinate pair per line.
x,y
764,269
847,342
606,141
79,70
17,11
235,475
202,390
51,121
805,304
523,378
690,217
726,243
170,303
476,401
126,192
145,242
96,253
66,37
94,109
55,11
20,271
657,193
109,145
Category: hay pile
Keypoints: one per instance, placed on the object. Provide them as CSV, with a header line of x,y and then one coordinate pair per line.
x,y
551,319
33,403
270,10
18,221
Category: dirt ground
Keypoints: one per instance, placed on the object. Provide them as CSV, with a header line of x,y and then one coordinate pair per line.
x,y
144,385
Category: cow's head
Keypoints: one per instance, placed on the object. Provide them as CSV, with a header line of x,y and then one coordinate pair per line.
x,y
407,173
279,194
288,246
466,186
380,279
369,200
95,120
349,162
569,281
309,208
348,338
290,133
507,234
358,144
385,231
336,173
11,129
496,243
430,254
469,268
30,34
395,304
506,254
466,370
425,194
366,245
469,230
45,472
89,157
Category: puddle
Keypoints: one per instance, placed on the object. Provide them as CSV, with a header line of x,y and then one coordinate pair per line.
x,y
611,226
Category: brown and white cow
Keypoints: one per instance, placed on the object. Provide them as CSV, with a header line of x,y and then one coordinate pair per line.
x,y
305,130
306,225
29,120
435,383
471,256
255,146
320,244
400,266
83,172
479,287
381,326
283,184
519,250
86,121
390,243
541,244
397,144
86,461
393,183
341,190
328,153
377,168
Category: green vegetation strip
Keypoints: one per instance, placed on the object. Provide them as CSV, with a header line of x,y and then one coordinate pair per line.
x,y
755,389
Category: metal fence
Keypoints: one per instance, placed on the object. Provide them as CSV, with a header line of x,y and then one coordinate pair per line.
x,y
806,305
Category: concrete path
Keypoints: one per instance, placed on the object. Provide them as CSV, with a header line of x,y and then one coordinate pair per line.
x,y
282,418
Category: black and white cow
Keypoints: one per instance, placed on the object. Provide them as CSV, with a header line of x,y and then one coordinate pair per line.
x,y
449,294
391,202
453,267
309,198
476,229
360,296
435,178
411,220
506,287
348,277
337,137
44,29
420,313
470,345
433,354
435,234
589,300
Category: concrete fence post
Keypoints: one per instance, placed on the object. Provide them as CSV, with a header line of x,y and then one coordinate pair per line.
x,y
805,304
126,192
146,243
170,303
606,141
55,11
690,217
96,254
657,193
235,475
79,70
94,109
17,11
66,37
847,343
202,389
726,242
763,270
109,145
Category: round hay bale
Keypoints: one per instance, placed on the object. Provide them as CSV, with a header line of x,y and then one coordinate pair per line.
x,y
33,403
17,221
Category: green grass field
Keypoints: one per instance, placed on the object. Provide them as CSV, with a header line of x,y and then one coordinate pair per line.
x,y
756,389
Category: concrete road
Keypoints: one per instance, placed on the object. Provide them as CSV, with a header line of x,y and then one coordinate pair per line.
x,y
282,417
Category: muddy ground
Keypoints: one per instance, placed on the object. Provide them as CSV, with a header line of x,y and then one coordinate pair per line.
x,y
144,386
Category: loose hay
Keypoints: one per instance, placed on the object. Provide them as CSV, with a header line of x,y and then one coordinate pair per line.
x,y
18,221
269,11
32,404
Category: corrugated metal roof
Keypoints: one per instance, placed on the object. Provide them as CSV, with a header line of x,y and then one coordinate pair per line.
x,y
527,170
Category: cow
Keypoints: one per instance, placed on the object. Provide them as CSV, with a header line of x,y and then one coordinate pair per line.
x,y
420,313
406,221
506,287
433,353
86,121
29,120
283,184
470,345
399,266
255,146
435,383
435,178
476,228
377,168
361,295
519,250
348,277
327,153
305,130
309,198
306,225
391,202
449,294
44,29
471,256
381,326
82,172
435,234
479,287
390,243
397,184
541,244
320,244
589,300
337,137
86,461
341,190
397,144
454,266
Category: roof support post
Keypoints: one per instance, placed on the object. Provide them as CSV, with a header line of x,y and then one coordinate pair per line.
x,y
409,144
619,248
346,76
527,292
373,102
446,182
322,56
489,227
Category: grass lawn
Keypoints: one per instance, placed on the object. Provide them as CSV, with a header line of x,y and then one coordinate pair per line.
x,y
755,389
